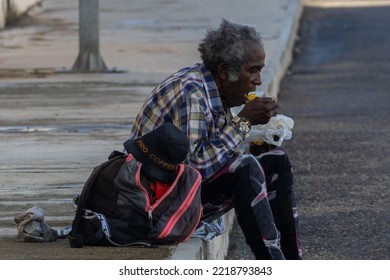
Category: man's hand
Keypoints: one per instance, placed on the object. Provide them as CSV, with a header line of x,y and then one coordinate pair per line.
x,y
259,110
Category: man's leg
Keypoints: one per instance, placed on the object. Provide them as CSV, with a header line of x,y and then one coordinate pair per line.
x,y
279,176
286,220
242,182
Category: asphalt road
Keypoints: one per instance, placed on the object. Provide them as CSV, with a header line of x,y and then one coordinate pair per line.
x,y
337,91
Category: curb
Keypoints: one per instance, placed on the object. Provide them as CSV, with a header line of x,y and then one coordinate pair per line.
x,y
198,249
217,248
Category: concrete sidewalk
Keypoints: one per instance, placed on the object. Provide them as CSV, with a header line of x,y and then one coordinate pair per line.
x,y
55,128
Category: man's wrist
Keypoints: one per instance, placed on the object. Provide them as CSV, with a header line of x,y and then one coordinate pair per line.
x,y
242,124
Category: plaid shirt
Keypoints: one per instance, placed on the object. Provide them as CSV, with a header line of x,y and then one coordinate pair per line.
x,y
190,100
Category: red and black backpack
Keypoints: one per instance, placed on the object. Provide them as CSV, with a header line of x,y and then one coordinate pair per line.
x,y
115,209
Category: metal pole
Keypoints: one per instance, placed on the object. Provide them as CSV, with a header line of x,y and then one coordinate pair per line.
x,y
89,59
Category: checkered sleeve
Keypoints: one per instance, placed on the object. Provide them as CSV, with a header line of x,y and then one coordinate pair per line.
x,y
212,137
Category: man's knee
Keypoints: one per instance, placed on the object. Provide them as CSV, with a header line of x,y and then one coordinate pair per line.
x,y
248,161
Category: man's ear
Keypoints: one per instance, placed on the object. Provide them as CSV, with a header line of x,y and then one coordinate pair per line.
x,y
222,71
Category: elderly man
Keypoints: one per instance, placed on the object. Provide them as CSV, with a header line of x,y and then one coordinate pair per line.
x,y
197,100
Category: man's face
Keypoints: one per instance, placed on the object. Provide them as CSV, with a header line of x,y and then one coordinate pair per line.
x,y
249,78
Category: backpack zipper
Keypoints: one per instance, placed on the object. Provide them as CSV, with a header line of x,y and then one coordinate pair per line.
x,y
148,207
171,187
150,217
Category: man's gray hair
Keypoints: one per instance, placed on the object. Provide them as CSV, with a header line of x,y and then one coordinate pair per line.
x,y
228,44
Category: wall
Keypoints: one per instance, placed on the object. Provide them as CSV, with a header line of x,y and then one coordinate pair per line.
x,y
12,9
3,10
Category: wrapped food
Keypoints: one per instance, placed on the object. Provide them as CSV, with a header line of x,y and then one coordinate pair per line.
x,y
274,132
